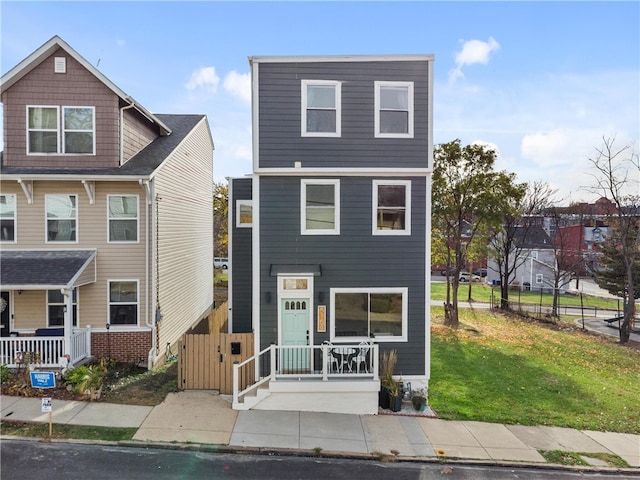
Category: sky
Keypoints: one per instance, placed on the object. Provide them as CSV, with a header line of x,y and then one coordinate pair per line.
x,y
543,83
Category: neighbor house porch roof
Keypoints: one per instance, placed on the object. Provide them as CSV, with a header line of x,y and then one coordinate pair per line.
x,y
46,269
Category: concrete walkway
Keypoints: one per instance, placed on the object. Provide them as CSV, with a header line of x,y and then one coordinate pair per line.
x,y
202,417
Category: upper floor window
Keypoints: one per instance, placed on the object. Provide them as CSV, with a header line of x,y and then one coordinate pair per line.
x,y
320,207
321,108
123,218
62,218
56,306
391,207
244,213
123,302
363,313
394,109
7,218
66,130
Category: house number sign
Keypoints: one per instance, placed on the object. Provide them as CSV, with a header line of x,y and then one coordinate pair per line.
x,y
322,318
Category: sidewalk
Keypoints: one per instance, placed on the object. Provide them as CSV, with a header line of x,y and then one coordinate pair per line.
x,y
202,417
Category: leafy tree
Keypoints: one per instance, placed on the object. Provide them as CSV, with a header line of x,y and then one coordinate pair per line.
x,y
220,218
615,174
613,277
468,196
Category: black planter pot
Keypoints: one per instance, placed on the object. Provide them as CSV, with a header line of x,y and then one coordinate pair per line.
x,y
395,403
383,398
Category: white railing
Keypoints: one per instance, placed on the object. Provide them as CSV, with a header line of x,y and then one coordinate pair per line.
x,y
44,352
324,362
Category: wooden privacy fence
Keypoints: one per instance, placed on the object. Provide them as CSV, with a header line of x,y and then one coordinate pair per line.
x,y
206,361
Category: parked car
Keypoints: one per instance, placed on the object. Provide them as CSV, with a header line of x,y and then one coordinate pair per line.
x,y
448,273
481,272
465,276
220,262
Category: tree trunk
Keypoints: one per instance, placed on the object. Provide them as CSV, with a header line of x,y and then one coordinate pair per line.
x,y
451,309
504,295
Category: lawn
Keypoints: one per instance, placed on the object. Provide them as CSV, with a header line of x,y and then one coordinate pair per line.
x,y
482,293
506,370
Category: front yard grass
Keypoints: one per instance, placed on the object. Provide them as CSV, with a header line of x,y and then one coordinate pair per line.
x,y
64,431
508,370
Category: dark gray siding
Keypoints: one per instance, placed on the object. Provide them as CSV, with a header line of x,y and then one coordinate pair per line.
x,y
241,255
280,140
355,258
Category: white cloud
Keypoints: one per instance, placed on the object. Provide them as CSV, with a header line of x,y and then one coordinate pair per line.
x,y
472,52
203,79
239,85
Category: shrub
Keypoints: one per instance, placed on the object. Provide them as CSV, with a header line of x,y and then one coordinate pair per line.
x,y
5,373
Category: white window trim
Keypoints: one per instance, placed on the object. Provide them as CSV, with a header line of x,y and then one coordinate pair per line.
x,y
539,278
46,219
303,104
407,203
64,131
303,207
75,294
117,326
411,110
15,219
57,130
405,313
60,130
137,197
241,203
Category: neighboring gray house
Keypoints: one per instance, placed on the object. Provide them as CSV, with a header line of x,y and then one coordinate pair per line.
x,y
534,257
329,237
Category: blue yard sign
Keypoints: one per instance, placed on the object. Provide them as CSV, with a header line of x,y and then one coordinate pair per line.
x,y
43,380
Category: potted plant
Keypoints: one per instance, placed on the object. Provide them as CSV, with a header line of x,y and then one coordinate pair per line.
x,y
419,399
387,366
396,393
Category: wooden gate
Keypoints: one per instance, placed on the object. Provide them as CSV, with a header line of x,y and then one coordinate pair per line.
x,y
206,361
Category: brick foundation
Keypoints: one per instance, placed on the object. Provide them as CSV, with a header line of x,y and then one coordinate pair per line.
x,y
129,347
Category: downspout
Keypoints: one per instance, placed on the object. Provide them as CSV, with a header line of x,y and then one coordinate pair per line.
x,y
68,322
126,107
148,303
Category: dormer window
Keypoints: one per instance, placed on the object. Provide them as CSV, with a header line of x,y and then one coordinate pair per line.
x,y
60,130
321,108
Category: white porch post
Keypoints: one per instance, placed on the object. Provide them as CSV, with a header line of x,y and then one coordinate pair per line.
x,y
68,321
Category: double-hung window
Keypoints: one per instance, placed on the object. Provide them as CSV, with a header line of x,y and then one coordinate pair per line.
x,y
394,109
62,218
363,313
244,213
123,218
56,306
321,108
320,207
391,207
60,130
123,302
7,218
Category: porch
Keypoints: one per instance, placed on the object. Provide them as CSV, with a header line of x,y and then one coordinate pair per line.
x,y
45,351
319,378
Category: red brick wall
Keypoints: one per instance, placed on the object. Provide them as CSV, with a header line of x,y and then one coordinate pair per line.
x,y
129,347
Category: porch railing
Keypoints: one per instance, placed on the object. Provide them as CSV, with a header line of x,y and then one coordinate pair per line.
x,y
312,362
45,352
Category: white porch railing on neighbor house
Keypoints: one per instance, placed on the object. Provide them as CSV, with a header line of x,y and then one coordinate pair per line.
x,y
45,352
324,363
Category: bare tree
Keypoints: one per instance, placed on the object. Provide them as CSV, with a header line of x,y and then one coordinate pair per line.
x,y
505,249
616,171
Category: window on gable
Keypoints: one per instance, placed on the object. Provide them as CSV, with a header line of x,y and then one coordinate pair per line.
x,y
123,302
320,207
7,218
56,306
244,213
73,133
361,313
539,278
391,207
62,218
123,218
394,109
321,108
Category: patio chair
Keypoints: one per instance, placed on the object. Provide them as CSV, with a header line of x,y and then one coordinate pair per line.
x,y
361,357
334,364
